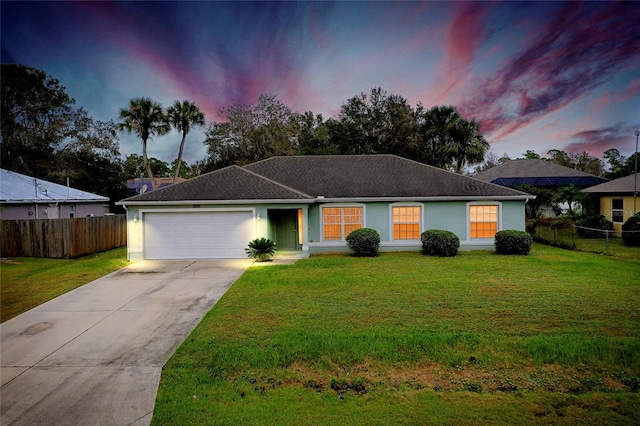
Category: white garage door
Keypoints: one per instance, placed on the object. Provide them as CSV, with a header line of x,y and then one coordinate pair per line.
x,y
197,235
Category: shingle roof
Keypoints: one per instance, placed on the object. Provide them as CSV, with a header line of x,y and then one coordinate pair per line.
x,y
231,183
537,173
336,176
18,188
623,185
371,176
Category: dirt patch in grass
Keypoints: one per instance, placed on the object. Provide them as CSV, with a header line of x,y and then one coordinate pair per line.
x,y
470,377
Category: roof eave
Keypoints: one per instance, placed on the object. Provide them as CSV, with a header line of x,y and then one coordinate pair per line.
x,y
200,202
41,201
332,200
427,198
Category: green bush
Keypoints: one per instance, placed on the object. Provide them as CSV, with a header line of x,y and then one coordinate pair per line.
x,y
364,242
631,231
511,241
437,242
595,222
260,249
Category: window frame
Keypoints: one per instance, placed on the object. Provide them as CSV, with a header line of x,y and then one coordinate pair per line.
x,y
339,206
496,204
620,210
392,223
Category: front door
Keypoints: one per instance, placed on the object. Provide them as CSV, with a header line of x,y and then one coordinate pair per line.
x,y
286,229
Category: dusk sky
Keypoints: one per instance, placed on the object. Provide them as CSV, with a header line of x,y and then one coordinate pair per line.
x,y
536,76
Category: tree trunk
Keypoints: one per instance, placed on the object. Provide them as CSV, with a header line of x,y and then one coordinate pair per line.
x,y
147,166
179,162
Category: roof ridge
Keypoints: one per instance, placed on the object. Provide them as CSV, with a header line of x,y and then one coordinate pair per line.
x,y
275,182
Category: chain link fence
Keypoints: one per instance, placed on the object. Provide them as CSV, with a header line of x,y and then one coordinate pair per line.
x,y
566,234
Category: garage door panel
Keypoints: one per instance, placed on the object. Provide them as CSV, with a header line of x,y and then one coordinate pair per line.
x,y
198,235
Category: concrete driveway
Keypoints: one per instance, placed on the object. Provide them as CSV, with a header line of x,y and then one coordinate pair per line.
x,y
94,355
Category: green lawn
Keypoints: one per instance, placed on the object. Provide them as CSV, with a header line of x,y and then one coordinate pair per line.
x,y
616,247
28,282
549,338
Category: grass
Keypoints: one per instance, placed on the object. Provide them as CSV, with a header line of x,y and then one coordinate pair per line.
x,y
616,247
28,282
569,238
549,338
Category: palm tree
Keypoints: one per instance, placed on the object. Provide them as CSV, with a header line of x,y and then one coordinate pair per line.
x,y
145,118
183,115
436,125
467,145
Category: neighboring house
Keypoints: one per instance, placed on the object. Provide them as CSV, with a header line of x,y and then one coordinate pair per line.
x,y
539,173
311,203
140,186
617,200
25,197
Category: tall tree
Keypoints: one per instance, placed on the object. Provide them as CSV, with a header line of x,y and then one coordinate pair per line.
x,y
616,163
36,117
587,163
560,157
375,123
251,133
448,140
467,145
44,135
183,115
531,155
311,134
146,119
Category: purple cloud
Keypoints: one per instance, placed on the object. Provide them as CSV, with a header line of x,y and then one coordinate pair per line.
x,y
581,47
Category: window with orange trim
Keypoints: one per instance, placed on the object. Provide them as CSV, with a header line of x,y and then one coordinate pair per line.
x,y
406,222
339,222
483,221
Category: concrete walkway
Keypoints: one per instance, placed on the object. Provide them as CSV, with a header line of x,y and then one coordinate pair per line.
x,y
94,355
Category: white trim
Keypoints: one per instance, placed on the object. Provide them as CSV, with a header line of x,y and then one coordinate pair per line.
x,y
199,209
391,223
340,206
482,241
321,199
420,199
213,202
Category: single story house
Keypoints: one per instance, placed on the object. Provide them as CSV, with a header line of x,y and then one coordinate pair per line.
x,y
311,203
539,173
25,197
617,200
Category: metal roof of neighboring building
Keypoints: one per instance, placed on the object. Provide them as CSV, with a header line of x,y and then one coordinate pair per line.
x,y
18,188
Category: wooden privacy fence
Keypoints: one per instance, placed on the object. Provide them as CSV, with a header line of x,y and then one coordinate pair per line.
x,y
62,238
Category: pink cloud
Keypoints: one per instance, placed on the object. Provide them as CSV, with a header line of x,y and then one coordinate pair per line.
x,y
580,48
465,36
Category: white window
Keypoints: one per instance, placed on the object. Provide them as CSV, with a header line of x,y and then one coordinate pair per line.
x,y
483,221
407,222
338,222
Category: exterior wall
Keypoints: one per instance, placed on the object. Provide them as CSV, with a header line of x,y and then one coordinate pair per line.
x,y
51,211
448,215
135,222
627,205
